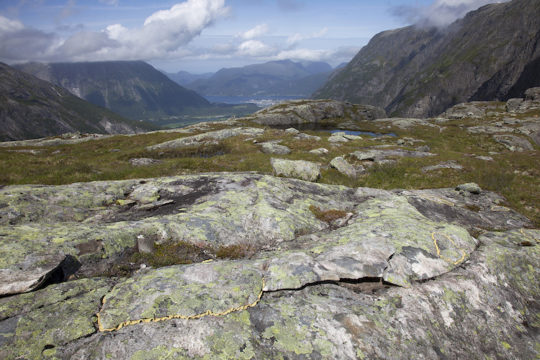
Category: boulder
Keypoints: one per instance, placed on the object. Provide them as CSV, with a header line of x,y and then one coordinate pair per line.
x,y
512,105
319,151
313,111
533,94
273,148
300,169
143,161
341,165
207,138
472,188
444,165
513,142
292,131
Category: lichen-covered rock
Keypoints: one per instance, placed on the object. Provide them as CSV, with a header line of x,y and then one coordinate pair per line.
x,y
313,111
34,330
514,143
207,138
397,265
143,161
319,151
533,94
485,306
472,188
341,165
273,148
444,165
184,292
300,169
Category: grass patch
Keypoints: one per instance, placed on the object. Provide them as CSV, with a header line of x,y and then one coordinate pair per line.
x,y
327,216
514,175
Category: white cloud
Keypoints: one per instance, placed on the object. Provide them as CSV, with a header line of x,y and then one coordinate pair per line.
x,y
296,38
441,12
162,35
255,48
7,25
255,32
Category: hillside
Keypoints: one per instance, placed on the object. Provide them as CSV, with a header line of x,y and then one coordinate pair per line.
x,y
492,53
133,89
274,78
236,240
33,108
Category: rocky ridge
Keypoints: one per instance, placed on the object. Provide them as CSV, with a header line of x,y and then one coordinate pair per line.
x,y
418,71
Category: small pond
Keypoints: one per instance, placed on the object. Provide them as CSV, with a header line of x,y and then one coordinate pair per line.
x,y
332,129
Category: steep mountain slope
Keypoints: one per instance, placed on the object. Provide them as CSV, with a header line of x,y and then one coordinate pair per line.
x,y
133,89
492,53
269,79
32,108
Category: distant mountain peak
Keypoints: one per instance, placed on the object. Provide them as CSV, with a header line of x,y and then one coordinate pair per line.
x,y
273,78
134,89
33,108
492,53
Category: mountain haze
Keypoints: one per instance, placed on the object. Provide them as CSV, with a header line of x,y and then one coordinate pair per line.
x,y
184,78
274,78
33,108
133,89
492,53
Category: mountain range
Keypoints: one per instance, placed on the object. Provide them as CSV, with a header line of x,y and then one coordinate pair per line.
x,y
274,78
33,108
133,89
492,53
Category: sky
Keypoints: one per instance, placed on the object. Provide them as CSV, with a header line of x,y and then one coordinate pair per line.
x,y
202,36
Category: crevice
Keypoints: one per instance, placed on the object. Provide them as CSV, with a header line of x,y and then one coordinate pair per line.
x,y
61,273
364,284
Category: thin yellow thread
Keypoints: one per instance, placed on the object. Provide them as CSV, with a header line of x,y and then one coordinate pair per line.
x,y
528,237
179,316
464,254
499,208
207,261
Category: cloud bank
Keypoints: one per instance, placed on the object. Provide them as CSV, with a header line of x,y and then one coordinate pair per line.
x,y
162,35
441,13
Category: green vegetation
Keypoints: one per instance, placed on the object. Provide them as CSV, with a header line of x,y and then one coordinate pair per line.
x,y
328,216
176,253
515,175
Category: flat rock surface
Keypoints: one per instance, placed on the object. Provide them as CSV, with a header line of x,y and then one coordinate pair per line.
x,y
391,265
211,137
313,111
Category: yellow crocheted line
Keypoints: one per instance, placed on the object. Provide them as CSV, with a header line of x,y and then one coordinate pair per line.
x,y
179,316
463,253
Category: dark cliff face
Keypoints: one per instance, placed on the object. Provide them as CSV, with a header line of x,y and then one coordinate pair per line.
x,y
133,89
33,108
491,54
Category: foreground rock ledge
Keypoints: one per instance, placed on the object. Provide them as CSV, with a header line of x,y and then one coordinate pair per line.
x,y
397,276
